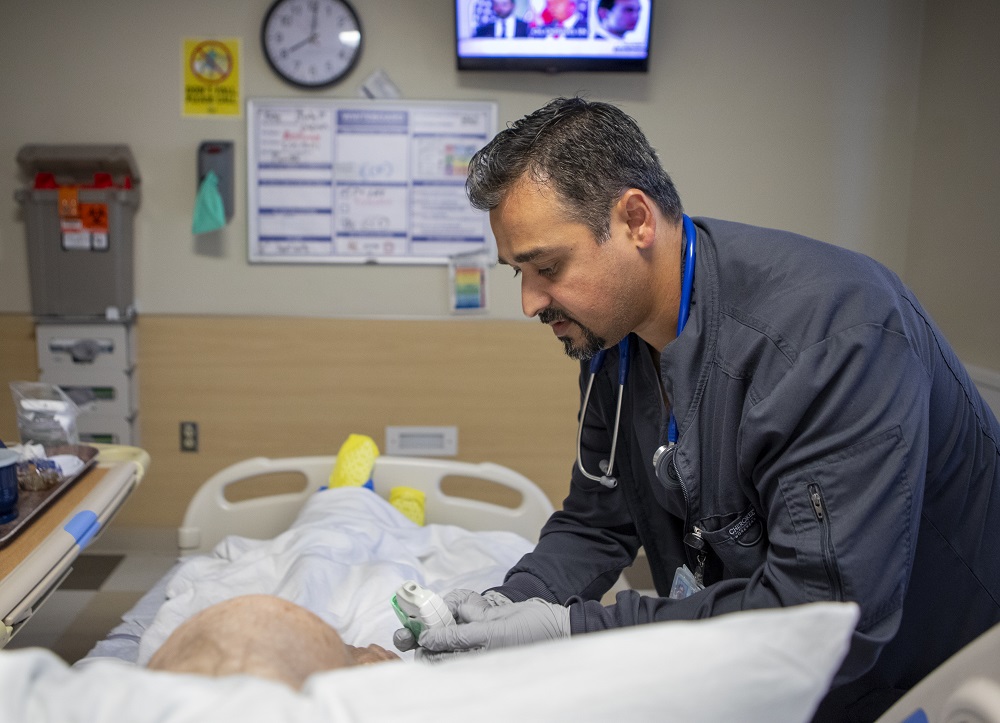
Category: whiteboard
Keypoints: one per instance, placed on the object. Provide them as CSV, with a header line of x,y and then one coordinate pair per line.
x,y
364,181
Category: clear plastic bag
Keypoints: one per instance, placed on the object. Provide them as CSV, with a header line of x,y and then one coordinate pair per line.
x,y
45,414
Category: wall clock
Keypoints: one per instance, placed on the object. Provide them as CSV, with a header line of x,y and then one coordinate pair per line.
x,y
311,43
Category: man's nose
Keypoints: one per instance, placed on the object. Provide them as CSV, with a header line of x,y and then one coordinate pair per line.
x,y
533,298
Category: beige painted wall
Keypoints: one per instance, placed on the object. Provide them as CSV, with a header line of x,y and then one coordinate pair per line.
x,y
787,113
953,257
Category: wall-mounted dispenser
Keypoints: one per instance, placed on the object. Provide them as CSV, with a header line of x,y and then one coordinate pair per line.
x,y
217,156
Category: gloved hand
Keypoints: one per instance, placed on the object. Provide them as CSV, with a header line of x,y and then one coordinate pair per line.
x,y
458,598
481,625
403,639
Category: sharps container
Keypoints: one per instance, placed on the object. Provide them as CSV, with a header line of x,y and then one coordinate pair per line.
x,y
78,214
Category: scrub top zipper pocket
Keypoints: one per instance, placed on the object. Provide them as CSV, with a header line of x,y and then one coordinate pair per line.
x,y
826,541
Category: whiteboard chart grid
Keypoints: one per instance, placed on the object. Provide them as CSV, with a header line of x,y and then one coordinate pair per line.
x,y
364,181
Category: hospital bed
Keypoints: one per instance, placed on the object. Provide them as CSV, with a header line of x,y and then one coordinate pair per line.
x,y
342,552
963,689
211,518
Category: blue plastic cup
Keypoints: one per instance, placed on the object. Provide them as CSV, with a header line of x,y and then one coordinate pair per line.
x,y
8,485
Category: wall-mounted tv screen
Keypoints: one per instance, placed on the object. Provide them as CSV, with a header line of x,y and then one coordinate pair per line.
x,y
553,35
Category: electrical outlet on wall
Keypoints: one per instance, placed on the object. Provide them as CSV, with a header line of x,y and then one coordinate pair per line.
x,y
189,436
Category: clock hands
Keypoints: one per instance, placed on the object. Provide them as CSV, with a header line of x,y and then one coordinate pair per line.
x,y
293,48
313,35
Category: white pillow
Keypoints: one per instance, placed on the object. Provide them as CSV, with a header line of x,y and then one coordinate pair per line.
x,y
761,666
769,665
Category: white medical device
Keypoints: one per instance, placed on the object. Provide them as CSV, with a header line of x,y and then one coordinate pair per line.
x,y
420,609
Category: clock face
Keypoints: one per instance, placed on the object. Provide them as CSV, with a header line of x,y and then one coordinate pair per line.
x,y
311,43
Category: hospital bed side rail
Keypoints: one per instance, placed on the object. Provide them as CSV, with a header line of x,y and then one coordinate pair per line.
x,y
963,689
210,516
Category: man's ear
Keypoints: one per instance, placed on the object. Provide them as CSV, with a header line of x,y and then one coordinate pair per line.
x,y
636,210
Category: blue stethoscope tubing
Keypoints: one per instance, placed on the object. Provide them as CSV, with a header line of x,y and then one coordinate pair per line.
x,y
684,310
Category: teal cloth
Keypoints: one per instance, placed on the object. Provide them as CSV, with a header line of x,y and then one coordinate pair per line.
x,y
209,211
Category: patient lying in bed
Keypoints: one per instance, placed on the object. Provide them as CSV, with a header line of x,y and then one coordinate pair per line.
x,y
260,635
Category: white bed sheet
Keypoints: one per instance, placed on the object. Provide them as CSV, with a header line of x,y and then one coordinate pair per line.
x,y
343,558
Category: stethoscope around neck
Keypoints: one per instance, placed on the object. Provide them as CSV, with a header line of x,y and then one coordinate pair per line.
x,y
684,309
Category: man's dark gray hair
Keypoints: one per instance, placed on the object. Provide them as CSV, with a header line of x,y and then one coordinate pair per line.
x,y
589,152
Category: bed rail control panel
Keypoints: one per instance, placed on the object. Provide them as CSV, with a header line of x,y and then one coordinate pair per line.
x,y
421,441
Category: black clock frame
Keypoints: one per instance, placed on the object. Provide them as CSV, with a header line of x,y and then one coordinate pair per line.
x,y
311,86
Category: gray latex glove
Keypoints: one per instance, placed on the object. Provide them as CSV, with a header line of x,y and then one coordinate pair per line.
x,y
482,625
403,639
457,598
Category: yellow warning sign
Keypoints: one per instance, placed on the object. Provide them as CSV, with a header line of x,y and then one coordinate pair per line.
x,y
212,76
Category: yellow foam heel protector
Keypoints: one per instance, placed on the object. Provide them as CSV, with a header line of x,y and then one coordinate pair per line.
x,y
409,501
355,461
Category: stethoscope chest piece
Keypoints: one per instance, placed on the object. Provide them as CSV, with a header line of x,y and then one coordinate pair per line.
x,y
663,460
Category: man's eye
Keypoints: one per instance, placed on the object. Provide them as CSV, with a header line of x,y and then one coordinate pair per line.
x,y
548,271
517,272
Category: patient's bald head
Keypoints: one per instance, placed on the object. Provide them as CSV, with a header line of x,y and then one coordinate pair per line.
x,y
259,635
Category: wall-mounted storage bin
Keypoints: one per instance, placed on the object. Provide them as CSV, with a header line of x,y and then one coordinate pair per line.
x,y
79,215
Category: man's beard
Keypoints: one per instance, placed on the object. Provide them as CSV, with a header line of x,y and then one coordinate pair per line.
x,y
592,343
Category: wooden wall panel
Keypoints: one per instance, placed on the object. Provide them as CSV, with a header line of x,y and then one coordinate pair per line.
x,y
296,386
278,386
18,362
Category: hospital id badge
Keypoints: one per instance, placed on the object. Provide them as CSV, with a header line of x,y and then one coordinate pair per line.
x,y
684,584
